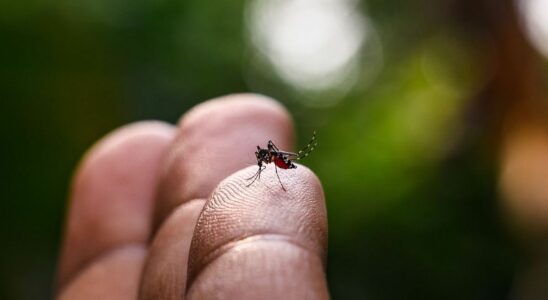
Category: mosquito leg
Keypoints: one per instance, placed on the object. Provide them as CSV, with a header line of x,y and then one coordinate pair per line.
x,y
276,168
260,170
308,148
271,146
256,176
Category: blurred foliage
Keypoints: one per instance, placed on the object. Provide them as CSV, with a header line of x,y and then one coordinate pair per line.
x,y
410,187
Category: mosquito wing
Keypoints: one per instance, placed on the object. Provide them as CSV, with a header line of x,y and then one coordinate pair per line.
x,y
289,154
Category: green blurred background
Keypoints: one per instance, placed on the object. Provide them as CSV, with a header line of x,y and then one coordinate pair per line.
x,y
394,89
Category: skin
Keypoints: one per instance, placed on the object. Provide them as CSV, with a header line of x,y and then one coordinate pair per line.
x,y
163,212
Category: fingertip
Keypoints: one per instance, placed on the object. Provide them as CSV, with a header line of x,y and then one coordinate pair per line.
x,y
112,194
142,130
264,118
237,105
236,213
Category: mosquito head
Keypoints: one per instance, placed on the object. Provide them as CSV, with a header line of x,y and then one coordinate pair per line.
x,y
263,155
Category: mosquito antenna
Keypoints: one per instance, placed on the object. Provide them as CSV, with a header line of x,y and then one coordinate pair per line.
x,y
308,148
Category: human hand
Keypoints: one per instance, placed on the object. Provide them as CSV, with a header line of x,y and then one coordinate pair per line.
x,y
153,214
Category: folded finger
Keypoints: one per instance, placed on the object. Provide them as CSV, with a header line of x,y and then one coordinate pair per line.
x,y
215,139
112,195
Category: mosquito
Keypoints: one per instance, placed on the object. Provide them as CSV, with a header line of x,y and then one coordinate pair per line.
x,y
281,159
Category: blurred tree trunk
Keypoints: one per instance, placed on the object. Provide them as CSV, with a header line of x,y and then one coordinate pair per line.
x,y
515,104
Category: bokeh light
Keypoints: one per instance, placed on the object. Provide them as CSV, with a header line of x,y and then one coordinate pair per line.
x,y
534,15
313,45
